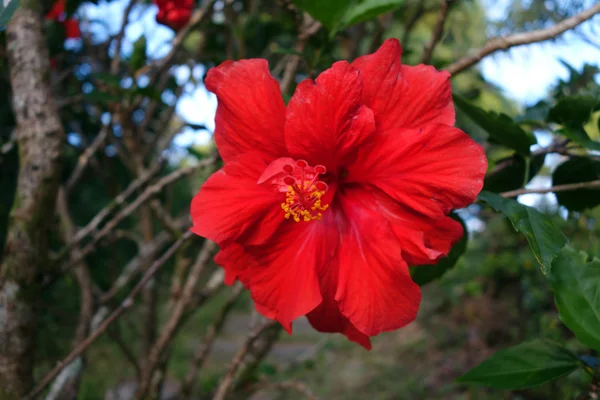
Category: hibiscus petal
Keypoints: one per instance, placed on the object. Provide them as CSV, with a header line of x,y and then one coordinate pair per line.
x,y
429,171
250,113
325,122
427,242
375,291
327,316
403,96
234,261
232,206
281,275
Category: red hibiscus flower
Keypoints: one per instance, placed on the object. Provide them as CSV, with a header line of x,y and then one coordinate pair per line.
x,y
57,13
174,13
321,206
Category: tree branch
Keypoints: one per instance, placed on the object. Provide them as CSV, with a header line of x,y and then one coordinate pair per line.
x,y
168,332
437,32
66,384
558,188
227,381
147,252
114,66
203,350
518,39
40,137
309,27
150,192
197,18
105,212
299,387
85,157
124,306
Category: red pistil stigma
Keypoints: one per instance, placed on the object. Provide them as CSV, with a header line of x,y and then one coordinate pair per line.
x,y
303,192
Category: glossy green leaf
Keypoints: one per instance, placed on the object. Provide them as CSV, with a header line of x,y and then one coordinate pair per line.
x,y
544,237
573,113
511,175
535,114
525,365
334,14
575,170
329,13
500,127
579,135
576,284
364,10
424,274
7,10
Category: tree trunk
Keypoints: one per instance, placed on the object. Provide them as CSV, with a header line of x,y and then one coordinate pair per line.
x,y
39,136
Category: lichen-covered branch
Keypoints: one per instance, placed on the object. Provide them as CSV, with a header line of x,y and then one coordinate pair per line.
x,y
39,136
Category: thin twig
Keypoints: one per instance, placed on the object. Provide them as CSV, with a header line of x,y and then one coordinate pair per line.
x,y
85,157
558,147
146,252
517,39
149,193
114,66
68,380
197,18
437,32
258,351
227,381
69,101
165,218
118,201
115,335
412,22
558,188
309,27
203,350
301,388
124,306
168,332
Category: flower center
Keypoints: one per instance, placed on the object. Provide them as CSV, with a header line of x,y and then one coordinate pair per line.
x,y
303,191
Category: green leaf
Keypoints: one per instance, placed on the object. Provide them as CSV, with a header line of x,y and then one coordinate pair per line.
x,y
575,170
329,12
578,135
102,97
366,9
335,14
423,274
525,365
535,114
107,79
544,237
512,174
7,10
573,113
576,284
500,127
151,92
138,55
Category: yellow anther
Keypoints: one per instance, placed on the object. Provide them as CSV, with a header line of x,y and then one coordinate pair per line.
x,y
294,207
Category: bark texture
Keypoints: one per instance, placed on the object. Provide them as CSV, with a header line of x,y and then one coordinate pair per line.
x,y
39,137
